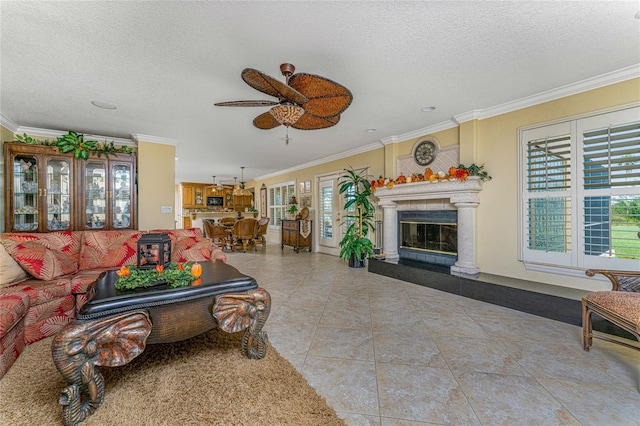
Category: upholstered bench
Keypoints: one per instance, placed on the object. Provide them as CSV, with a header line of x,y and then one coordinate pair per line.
x,y
620,307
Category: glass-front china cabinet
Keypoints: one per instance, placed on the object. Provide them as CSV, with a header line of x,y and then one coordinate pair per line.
x,y
39,190
109,195
47,191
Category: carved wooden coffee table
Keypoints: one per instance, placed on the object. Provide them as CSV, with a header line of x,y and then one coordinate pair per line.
x,y
114,327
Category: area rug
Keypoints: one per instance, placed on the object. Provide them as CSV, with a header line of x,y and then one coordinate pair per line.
x,y
201,381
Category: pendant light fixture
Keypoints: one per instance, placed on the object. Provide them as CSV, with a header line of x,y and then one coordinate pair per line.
x,y
239,189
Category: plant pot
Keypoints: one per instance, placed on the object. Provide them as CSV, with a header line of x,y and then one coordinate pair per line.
x,y
355,262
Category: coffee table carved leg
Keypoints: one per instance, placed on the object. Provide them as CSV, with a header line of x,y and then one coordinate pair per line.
x,y
249,312
83,345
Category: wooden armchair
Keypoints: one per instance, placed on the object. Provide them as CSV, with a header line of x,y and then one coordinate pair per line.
x,y
621,280
621,306
244,232
218,233
263,224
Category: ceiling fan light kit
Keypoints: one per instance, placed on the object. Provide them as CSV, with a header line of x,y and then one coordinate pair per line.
x,y
287,114
305,101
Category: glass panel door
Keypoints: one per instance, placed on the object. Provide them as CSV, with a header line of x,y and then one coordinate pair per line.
x,y
25,193
58,194
95,208
329,215
121,182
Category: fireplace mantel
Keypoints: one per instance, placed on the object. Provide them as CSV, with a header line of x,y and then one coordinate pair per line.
x,y
464,195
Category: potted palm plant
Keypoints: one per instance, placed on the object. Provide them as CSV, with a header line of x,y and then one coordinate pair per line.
x,y
355,246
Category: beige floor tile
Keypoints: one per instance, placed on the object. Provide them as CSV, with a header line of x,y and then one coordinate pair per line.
x,y
464,354
347,385
408,348
422,394
342,343
513,400
592,404
440,358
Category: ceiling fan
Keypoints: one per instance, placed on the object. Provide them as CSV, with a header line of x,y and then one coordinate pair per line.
x,y
218,186
305,101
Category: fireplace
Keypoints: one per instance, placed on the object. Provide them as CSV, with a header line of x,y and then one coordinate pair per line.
x,y
428,236
460,197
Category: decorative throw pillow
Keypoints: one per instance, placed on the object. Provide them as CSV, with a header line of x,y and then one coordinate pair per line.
x,y
42,262
65,242
108,249
10,270
191,249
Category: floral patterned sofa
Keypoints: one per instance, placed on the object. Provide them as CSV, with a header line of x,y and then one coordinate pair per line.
x,y
44,277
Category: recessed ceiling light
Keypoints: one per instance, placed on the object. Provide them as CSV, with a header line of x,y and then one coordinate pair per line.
x,y
103,105
428,109
370,130
637,15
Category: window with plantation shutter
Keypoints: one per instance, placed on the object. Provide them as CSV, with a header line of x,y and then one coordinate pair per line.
x,y
580,183
279,196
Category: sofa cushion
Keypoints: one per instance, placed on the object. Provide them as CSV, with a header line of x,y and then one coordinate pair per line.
x,y
41,261
12,308
10,271
192,249
49,318
179,233
40,291
108,249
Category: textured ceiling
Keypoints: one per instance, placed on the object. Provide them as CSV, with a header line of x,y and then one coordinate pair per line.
x,y
164,64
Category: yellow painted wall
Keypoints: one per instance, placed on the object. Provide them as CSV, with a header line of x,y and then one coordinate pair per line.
x,y
493,142
156,185
497,148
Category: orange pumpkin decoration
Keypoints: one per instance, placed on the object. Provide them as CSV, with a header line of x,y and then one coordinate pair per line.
x,y
196,282
452,171
123,272
196,270
428,173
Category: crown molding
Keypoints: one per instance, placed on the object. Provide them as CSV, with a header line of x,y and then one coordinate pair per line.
x,y
603,80
54,134
8,123
339,156
153,139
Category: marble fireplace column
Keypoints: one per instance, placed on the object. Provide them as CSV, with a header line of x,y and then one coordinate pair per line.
x,y
390,230
466,265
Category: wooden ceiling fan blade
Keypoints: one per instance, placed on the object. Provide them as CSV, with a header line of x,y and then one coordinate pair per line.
x,y
269,85
309,121
265,121
246,103
326,97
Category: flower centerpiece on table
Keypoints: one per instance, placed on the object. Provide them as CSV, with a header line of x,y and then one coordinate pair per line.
x,y
175,275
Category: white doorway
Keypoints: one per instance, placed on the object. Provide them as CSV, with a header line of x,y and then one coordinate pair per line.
x,y
329,215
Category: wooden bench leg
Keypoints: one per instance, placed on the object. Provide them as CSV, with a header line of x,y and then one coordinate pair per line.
x,y
587,331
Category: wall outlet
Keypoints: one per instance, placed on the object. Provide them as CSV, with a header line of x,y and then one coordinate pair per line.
x,y
166,209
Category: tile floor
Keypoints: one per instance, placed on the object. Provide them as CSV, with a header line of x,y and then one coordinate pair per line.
x,y
386,352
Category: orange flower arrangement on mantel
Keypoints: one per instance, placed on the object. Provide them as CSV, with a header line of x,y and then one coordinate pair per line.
x,y
460,173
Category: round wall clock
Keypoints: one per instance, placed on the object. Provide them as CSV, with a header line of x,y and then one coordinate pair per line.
x,y
425,152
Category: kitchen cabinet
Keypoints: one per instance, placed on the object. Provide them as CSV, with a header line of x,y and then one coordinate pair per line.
x,y
49,191
291,235
108,196
193,195
39,189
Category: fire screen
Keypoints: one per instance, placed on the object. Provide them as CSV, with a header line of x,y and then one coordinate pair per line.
x,y
430,236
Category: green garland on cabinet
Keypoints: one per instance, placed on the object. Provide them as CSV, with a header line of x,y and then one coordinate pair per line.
x,y
74,142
